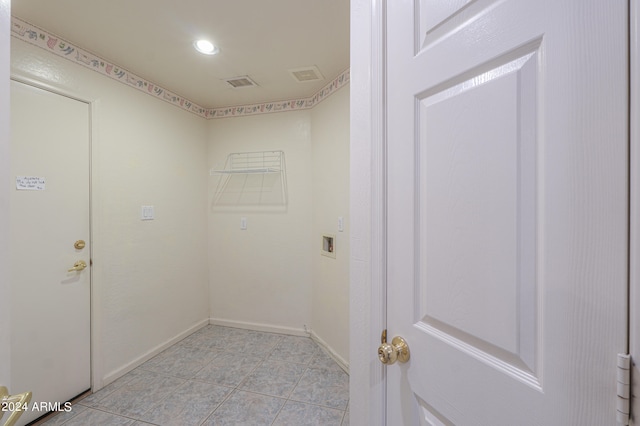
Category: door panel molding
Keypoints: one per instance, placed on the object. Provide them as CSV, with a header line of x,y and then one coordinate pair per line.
x,y
503,330
436,19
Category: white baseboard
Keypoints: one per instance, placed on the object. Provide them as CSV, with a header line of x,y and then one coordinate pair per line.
x,y
259,327
116,374
337,358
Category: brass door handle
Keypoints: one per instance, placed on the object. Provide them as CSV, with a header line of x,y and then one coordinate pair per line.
x,y
398,350
78,266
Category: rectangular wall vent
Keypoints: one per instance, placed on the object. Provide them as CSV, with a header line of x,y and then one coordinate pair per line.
x,y
303,75
241,82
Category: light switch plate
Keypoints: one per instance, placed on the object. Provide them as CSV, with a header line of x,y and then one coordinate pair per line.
x,y
147,213
243,223
340,224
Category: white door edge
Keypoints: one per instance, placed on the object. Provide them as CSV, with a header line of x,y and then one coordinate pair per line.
x,y
368,247
634,202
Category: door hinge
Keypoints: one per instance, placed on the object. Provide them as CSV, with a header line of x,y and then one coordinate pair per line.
x,y
624,389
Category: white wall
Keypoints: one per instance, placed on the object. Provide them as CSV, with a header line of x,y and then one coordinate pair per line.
x,y
5,320
330,277
149,278
262,275
272,275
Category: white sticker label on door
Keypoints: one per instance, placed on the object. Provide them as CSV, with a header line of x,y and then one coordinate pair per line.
x,y
29,183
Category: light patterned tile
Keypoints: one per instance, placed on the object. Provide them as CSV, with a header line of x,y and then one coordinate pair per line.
x,y
230,334
300,414
273,378
138,395
91,417
266,367
190,405
205,338
345,420
323,360
94,399
228,369
62,417
246,409
296,349
237,340
253,343
329,388
264,337
180,361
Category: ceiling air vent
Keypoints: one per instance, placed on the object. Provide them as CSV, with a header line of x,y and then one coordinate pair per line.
x,y
240,82
303,75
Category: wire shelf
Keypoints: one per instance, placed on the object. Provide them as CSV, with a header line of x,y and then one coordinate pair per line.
x,y
252,178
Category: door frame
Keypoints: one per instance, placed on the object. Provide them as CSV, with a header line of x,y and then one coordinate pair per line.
x,y
5,164
368,284
95,371
634,203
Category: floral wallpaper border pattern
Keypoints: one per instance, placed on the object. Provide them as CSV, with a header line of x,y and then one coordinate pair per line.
x,y
33,35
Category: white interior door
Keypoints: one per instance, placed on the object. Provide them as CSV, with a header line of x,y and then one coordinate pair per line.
x,y
507,210
50,346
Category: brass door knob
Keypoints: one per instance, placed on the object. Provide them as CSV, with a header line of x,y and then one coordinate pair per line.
x,y
78,266
397,350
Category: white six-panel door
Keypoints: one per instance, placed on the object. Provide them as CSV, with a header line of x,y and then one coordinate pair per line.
x,y
50,344
507,210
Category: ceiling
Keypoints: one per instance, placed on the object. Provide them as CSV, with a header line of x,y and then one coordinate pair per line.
x,y
261,39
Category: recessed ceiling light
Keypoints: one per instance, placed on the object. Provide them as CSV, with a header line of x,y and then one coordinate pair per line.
x,y
206,47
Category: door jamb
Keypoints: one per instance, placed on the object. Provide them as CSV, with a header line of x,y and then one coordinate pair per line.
x,y
634,203
368,286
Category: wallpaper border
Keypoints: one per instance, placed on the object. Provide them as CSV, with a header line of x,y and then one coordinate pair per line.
x,y
33,35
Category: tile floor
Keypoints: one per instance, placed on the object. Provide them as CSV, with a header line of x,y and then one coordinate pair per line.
x,y
223,376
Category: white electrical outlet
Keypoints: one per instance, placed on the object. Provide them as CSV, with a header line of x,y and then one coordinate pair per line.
x,y
340,224
243,223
